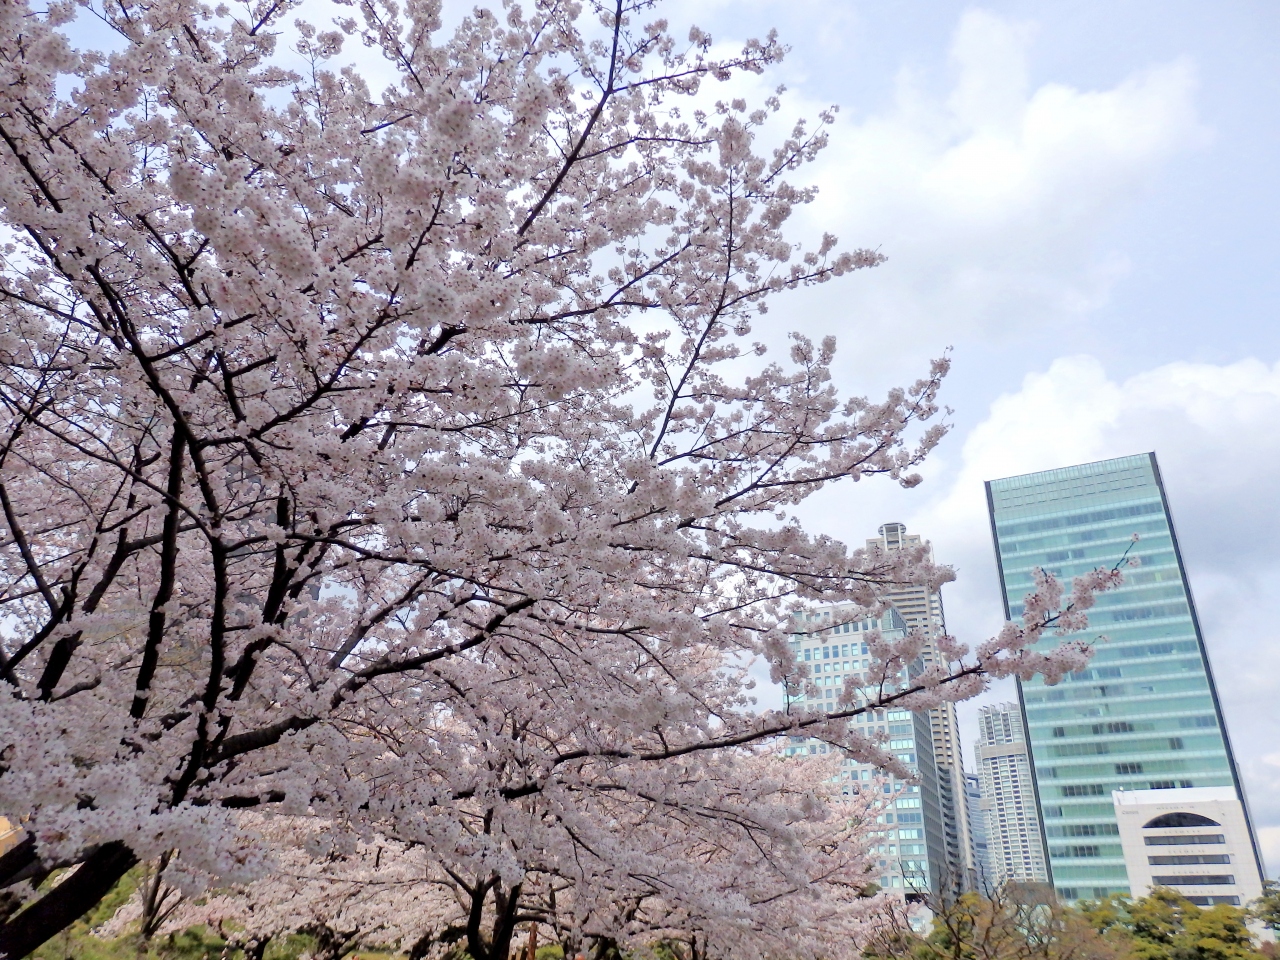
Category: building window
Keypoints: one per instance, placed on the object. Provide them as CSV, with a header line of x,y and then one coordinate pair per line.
x,y
1081,790
1170,820
1122,726
1126,768
1185,840
1182,860
1087,850
1196,880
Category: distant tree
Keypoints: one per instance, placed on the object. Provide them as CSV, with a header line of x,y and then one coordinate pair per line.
x,y
1167,926
1267,907
1012,922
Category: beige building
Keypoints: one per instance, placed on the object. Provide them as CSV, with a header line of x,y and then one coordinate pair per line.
x,y
921,608
1194,840
1015,849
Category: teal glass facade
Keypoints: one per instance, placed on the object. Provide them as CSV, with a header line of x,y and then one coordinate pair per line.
x,y
1144,715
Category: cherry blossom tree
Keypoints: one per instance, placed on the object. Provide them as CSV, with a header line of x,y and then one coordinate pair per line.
x,y
381,456
375,894
768,858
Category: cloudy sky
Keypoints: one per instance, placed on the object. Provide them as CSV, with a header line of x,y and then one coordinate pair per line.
x,y
1079,198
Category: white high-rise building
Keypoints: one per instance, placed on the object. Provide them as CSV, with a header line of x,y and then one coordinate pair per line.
x,y
921,608
1015,843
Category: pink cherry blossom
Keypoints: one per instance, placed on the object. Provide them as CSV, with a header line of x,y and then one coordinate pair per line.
x,y
400,459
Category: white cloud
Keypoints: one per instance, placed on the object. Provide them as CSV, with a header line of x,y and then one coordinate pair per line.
x,y
1212,428
990,199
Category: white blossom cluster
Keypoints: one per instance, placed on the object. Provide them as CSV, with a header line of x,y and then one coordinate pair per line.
x,y
402,459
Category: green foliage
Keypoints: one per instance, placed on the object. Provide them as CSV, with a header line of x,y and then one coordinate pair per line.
x,y
196,943
1167,926
1267,907
1026,923
77,943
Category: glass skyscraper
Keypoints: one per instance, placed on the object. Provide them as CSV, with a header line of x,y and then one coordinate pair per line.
x,y
912,854
1145,714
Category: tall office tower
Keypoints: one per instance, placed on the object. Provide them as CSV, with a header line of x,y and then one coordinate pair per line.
x,y
921,608
1015,848
1144,716
912,848
983,877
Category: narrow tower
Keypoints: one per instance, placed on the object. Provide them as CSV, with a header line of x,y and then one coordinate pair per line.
x,y
1015,848
921,608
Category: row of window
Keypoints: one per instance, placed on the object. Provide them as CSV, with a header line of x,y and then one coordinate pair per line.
x,y
1126,646
1168,686
1082,850
1188,858
1097,790
1095,749
1184,840
1098,893
1008,530
1084,830
835,651
1128,726
1120,536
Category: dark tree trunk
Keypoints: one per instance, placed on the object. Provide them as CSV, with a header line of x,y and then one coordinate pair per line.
x,y
20,863
505,906
422,946
504,923
66,902
331,944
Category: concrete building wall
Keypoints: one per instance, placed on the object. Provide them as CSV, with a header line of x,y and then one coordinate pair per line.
x,y
911,855
1194,840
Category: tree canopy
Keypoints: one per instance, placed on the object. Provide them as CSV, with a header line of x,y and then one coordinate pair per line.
x,y
395,451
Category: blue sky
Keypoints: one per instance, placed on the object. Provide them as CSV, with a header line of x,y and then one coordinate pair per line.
x,y
1081,199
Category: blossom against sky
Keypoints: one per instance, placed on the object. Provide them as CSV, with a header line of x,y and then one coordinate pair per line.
x,y
1079,199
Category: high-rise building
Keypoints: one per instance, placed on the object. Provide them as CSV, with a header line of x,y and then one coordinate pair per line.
x,y
1015,846
1144,716
983,877
912,848
921,609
